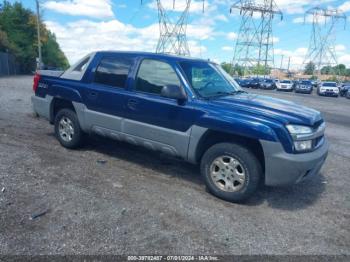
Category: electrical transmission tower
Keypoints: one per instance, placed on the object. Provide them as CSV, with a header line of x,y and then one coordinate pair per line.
x,y
172,31
321,51
254,44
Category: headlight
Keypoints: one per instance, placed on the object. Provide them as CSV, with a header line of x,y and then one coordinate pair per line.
x,y
299,133
303,145
297,129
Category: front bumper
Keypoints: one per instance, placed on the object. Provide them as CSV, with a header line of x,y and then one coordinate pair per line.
x,y
303,90
328,93
282,168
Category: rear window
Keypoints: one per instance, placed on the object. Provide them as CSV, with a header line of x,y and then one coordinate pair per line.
x,y
113,71
82,65
268,80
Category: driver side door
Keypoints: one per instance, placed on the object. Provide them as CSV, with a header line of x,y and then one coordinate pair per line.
x,y
161,122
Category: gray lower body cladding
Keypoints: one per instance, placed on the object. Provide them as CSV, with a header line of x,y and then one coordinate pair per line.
x,y
41,106
172,142
282,168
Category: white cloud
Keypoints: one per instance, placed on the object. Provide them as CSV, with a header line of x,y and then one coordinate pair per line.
x,y
180,5
221,18
296,56
231,36
345,7
227,48
309,19
275,39
91,36
340,48
344,59
298,20
90,8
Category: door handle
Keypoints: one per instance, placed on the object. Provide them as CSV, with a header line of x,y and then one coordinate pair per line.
x,y
132,103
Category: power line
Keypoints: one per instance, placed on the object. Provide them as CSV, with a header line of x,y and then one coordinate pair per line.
x,y
254,44
172,32
321,51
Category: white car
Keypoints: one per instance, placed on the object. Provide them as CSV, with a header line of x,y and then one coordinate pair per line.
x,y
328,89
286,85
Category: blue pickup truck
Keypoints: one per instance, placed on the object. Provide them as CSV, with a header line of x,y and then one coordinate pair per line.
x,y
188,108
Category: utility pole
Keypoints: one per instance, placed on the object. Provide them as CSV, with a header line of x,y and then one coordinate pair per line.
x,y
281,62
172,31
288,63
38,33
321,51
254,44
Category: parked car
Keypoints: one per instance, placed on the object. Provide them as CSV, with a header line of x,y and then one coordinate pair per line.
x,y
328,89
347,95
254,83
304,86
245,82
285,85
315,83
344,89
188,108
268,84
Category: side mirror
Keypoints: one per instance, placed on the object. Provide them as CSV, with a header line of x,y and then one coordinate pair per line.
x,y
174,91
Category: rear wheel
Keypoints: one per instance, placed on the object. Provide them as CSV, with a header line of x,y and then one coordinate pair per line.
x,y
67,129
231,171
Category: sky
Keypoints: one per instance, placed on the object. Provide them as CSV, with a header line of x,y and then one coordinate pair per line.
x,y
83,26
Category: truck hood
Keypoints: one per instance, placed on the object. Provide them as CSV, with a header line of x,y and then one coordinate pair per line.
x,y
271,108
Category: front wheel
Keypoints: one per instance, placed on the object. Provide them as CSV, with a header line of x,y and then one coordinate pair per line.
x,y
67,129
231,171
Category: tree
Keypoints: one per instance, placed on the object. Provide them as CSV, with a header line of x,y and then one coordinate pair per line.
x,y
340,69
326,70
19,26
227,67
261,70
309,68
52,54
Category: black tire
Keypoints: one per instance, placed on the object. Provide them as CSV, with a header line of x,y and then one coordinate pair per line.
x,y
75,139
249,163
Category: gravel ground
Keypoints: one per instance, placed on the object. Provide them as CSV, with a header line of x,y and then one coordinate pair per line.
x,y
139,202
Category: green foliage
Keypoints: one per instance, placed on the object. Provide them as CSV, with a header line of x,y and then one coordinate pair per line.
x,y
261,70
18,35
232,70
339,70
52,53
309,68
227,67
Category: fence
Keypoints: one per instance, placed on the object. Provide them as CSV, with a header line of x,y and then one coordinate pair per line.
x,y
8,65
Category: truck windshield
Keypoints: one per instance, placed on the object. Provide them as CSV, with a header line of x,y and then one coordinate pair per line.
x,y
209,80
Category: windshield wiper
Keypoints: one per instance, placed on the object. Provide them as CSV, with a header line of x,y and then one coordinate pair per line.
x,y
221,93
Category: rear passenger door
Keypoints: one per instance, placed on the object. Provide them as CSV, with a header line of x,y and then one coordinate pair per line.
x,y
106,94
